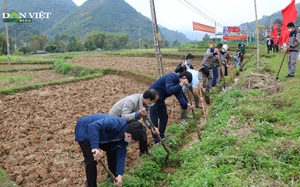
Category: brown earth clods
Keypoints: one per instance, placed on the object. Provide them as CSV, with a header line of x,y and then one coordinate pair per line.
x,y
37,127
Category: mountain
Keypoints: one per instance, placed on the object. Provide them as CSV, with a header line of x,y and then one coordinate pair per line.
x,y
57,8
172,35
114,16
195,35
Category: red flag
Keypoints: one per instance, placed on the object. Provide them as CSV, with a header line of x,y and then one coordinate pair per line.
x,y
289,14
275,33
204,28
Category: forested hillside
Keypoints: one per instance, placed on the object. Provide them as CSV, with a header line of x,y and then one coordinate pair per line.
x,y
109,16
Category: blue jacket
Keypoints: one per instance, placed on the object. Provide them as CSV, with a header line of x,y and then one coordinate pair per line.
x,y
104,128
169,85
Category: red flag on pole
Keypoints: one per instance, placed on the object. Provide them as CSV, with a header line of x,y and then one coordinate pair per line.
x,y
289,14
204,28
275,33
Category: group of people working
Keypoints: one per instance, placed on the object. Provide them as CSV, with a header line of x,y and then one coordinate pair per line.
x,y
113,131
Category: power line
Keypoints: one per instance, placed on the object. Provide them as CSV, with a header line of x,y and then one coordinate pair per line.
x,y
225,23
195,9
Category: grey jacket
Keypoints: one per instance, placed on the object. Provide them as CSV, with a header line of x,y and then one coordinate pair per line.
x,y
210,60
294,41
128,107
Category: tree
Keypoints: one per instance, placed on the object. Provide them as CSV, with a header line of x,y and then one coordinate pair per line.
x,y
89,45
51,48
206,38
74,45
176,43
3,44
123,39
38,42
111,42
97,38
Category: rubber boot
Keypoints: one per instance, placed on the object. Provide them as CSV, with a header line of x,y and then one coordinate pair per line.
x,y
183,115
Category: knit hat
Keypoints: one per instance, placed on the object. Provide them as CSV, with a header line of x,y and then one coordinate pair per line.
x,y
187,74
137,130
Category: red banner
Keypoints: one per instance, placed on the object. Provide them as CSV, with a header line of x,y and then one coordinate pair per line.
x,y
204,28
275,28
234,33
289,14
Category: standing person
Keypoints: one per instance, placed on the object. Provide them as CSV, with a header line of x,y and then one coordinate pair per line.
x,y
293,47
135,107
272,45
242,47
209,61
224,58
268,45
187,64
111,134
237,58
167,85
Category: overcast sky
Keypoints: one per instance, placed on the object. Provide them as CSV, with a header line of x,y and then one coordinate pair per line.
x,y
176,15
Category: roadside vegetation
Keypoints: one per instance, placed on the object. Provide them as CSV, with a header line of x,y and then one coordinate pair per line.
x,y
251,138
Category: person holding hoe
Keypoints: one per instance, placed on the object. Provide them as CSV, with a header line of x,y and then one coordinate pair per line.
x,y
167,85
111,134
198,77
135,107
210,61
293,48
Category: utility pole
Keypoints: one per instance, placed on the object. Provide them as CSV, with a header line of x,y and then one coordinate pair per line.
x,y
157,38
247,34
140,38
257,38
216,41
7,38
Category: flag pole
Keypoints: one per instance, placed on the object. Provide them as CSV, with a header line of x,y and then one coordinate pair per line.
x,y
247,34
257,38
7,37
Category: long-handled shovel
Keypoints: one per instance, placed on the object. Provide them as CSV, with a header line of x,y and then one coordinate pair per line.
x,y
159,138
281,64
197,128
202,103
107,170
221,72
206,97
